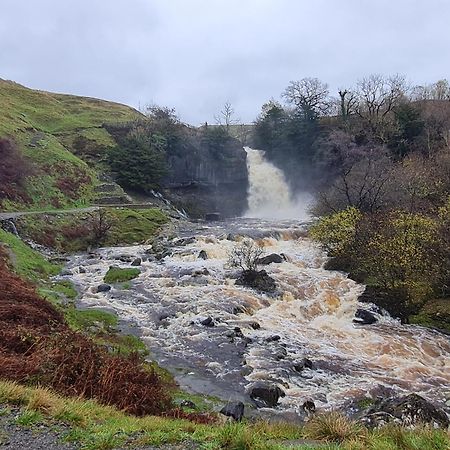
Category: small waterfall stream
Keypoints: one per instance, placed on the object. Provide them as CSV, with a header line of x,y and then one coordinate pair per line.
x,y
311,313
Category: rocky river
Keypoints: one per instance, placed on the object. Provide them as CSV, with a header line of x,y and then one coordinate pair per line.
x,y
298,344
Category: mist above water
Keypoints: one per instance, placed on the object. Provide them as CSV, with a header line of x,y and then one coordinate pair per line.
x,y
269,195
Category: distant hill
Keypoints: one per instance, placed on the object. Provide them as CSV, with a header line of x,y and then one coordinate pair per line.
x,y
56,135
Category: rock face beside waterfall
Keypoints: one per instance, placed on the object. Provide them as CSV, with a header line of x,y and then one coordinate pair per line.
x,y
208,176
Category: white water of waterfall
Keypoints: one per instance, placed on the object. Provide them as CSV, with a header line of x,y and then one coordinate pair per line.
x,y
269,196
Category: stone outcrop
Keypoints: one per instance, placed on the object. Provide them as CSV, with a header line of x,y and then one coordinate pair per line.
x,y
208,176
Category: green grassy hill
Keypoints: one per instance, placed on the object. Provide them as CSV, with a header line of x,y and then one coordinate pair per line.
x,y
59,135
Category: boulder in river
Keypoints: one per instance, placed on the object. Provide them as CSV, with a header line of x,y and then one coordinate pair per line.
x,y
266,394
208,322
410,410
269,259
309,406
364,317
234,410
304,363
136,262
202,255
259,280
103,288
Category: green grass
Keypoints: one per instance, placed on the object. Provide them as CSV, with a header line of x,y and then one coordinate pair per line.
x,y
118,275
45,126
27,262
128,227
135,226
66,288
28,418
97,427
84,319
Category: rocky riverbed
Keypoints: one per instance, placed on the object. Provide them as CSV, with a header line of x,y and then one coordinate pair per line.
x,y
279,351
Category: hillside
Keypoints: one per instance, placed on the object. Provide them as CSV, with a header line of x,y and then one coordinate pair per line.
x,y
52,132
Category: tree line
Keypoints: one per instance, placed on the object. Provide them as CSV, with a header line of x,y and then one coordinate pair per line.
x,y
378,157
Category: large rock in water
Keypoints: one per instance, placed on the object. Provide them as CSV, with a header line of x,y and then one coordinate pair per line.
x,y
410,410
364,317
257,280
266,394
269,259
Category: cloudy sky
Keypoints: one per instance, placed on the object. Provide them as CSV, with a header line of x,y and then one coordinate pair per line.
x,y
195,55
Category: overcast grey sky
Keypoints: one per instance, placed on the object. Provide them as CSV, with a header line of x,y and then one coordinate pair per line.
x,y
195,55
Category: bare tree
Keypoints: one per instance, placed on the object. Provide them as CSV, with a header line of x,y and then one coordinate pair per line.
x,y
436,91
100,223
348,102
378,96
226,118
309,95
360,173
246,255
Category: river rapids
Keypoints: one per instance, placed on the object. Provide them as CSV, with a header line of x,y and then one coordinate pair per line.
x,y
187,309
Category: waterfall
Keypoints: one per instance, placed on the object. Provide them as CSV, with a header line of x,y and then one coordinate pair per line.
x,y
269,196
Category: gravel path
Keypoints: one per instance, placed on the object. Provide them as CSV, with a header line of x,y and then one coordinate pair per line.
x,y
37,437
50,436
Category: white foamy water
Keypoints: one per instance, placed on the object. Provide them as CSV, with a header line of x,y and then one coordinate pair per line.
x,y
312,313
269,196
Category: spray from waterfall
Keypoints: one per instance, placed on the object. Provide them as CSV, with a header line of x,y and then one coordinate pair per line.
x,y
269,196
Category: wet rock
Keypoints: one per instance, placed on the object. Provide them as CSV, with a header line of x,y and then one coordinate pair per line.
x,y
66,272
364,317
410,410
259,280
273,338
280,354
184,241
309,406
123,258
136,262
246,370
81,269
234,410
395,301
238,332
269,259
199,273
202,255
255,325
188,404
103,288
215,216
305,363
208,322
266,394
237,310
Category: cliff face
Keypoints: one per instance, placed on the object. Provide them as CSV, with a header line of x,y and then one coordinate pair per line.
x,y
208,175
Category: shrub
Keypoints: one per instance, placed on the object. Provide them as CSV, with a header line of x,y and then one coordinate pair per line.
x,y
13,171
245,255
335,427
337,231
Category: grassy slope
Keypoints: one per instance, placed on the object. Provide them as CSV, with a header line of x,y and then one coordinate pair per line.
x,y
45,126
